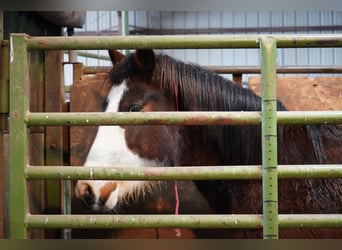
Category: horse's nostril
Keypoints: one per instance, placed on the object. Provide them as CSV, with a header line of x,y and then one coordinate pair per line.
x,y
102,202
86,194
88,191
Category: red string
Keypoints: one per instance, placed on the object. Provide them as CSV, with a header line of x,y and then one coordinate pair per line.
x,y
176,95
177,230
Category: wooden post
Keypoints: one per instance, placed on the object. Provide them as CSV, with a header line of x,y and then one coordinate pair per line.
x,y
54,102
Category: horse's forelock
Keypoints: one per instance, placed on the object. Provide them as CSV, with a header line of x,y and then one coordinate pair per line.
x,y
121,71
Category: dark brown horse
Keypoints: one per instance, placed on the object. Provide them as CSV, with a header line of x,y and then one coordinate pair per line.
x,y
144,82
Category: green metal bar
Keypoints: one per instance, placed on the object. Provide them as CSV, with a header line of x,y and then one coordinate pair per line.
x,y
144,173
180,173
175,118
269,138
124,26
180,221
143,221
92,55
66,208
310,220
146,118
309,117
180,42
19,105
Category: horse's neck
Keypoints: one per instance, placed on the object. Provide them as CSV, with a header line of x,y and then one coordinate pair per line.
x,y
221,145
310,144
197,149
240,145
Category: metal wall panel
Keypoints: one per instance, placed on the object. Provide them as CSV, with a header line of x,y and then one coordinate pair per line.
x,y
208,20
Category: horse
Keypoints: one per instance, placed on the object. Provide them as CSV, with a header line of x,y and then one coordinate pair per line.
x,y
145,82
88,95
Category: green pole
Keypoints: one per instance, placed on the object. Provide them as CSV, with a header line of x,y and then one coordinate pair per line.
x,y
124,26
269,138
178,42
145,221
176,118
19,105
242,172
227,221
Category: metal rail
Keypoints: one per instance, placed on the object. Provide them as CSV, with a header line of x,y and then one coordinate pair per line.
x,y
176,118
20,118
181,221
180,42
180,173
269,139
18,158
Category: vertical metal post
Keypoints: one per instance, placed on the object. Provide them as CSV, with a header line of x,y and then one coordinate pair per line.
x,y
71,53
19,106
269,138
124,26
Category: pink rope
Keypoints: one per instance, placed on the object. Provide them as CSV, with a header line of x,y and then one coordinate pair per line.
x,y
177,230
176,96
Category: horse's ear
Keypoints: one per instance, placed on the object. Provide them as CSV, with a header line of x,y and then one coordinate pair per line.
x,y
115,56
145,60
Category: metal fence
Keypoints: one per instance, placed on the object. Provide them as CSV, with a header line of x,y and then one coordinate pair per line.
x,y
21,118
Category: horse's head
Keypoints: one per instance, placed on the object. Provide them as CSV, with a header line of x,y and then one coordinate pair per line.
x,y
134,90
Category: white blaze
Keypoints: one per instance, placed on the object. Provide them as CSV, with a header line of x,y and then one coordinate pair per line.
x,y
110,149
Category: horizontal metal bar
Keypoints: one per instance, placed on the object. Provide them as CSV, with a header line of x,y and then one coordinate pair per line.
x,y
143,221
180,173
92,55
310,220
309,117
179,221
176,118
142,118
241,69
180,42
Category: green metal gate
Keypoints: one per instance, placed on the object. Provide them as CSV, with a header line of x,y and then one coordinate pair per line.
x,y
21,118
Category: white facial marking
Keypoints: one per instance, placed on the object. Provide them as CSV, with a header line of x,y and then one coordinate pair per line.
x,y
110,149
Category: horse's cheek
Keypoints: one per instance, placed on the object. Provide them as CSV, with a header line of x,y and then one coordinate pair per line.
x,y
132,139
149,142
140,141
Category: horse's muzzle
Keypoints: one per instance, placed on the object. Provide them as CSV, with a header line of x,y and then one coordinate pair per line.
x,y
95,196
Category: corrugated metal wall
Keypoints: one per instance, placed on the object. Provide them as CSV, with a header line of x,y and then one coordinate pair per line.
x,y
227,22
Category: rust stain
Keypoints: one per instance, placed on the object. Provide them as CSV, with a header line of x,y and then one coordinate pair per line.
x,y
42,44
16,114
327,43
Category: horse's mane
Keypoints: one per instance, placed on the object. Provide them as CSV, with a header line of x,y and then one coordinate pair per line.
x,y
203,90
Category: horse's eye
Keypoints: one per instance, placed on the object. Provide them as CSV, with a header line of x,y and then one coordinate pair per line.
x,y
135,108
